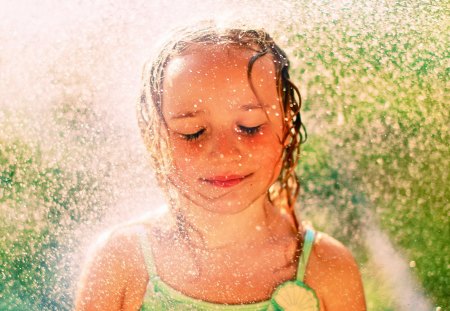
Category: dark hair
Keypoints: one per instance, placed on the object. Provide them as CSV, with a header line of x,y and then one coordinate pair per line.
x,y
152,124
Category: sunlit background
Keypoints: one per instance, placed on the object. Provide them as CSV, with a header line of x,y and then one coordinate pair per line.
x,y
374,76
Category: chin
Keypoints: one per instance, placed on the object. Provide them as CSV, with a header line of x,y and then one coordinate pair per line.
x,y
229,204
225,208
221,200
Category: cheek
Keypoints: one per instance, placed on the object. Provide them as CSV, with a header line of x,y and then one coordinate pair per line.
x,y
267,140
265,150
186,156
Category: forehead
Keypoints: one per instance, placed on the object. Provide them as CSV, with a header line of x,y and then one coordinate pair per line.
x,y
209,56
205,71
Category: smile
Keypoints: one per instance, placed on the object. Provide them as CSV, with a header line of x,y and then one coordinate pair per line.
x,y
225,181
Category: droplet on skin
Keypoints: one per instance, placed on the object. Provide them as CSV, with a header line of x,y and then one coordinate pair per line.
x,y
221,156
274,107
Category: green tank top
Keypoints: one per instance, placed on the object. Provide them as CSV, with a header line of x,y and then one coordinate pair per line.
x,y
160,296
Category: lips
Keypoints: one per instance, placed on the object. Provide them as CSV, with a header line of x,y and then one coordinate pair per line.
x,y
225,181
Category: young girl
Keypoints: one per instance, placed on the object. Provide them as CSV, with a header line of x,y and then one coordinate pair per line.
x,y
221,120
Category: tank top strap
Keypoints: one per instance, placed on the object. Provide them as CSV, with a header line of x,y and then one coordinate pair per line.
x,y
147,253
306,252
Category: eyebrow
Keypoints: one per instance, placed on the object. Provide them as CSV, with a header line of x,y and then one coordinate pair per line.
x,y
249,107
185,115
192,114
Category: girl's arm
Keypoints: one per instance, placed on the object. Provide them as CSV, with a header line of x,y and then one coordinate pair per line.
x,y
107,281
334,274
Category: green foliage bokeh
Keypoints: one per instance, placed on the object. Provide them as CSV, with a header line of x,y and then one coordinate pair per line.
x,y
378,98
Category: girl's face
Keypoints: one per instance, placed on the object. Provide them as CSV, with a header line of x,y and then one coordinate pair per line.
x,y
226,142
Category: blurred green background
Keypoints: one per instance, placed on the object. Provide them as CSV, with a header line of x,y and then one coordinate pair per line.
x,y
374,78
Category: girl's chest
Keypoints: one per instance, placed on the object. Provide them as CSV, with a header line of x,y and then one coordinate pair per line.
x,y
241,275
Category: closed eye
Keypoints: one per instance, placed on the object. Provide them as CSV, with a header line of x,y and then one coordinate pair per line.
x,y
193,136
249,130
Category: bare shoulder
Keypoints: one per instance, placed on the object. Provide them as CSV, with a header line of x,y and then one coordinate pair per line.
x,y
114,275
334,274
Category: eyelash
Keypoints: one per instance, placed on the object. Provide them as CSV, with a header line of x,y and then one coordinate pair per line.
x,y
250,131
194,136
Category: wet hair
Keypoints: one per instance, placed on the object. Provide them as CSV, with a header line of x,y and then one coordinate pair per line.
x,y
149,108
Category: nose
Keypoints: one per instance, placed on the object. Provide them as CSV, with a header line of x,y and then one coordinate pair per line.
x,y
225,147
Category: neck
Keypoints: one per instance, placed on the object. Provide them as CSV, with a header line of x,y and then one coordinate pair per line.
x,y
209,230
